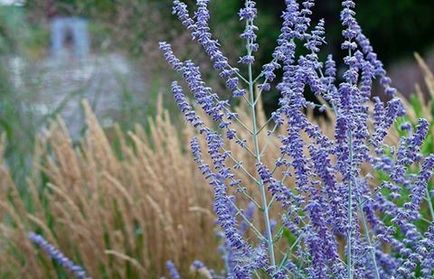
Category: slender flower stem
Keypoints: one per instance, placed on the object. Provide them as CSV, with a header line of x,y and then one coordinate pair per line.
x,y
253,227
268,142
350,197
258,77
247,101
275,165
243,125
350,200
243,168
271,202
289,251
239,75
259,94
371,247
265,125
350,209
239,121
245,147
244,192
430,205
257,151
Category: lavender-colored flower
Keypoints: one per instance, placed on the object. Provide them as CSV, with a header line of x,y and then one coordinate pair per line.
x,y
170,56
200,31
419,188
247,59
248,14
331,194
199,267
174,274
57,256
197,264
316,39
180,9
186,108
248,214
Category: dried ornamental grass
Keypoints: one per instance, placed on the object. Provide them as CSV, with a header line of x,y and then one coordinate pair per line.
x,y
119,218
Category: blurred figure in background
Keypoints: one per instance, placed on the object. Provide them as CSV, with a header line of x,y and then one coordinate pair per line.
x,y
69,34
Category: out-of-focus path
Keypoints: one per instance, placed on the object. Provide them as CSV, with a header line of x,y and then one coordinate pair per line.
x,y
109,82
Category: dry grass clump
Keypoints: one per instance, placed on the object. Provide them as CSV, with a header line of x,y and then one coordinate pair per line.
x,y
118,217
425,101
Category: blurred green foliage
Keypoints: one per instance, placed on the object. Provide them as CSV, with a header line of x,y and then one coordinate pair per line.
x,y
396,28
12,29
16,128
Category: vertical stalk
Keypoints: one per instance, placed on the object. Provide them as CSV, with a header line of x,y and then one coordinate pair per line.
x,y
368,236
350,208
350,198
257,152
430,205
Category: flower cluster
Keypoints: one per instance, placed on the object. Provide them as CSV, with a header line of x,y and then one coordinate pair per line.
x,y
174,274
248,14
57,256
347,204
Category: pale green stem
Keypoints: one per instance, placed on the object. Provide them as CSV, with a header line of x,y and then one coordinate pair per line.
x,y
428,199
239,121
240,76
371,247
242,167
253,227
257,152
350,199
265,125
350,210
247,101
268,142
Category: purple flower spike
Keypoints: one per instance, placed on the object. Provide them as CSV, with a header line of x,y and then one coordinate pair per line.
x,y
57,256
248,14
322,193
174,274
200,31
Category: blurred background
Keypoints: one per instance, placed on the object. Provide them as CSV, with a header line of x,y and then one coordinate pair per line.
x,y
54,53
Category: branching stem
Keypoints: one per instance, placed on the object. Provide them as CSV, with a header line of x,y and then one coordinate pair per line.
x,y
253,227
268,234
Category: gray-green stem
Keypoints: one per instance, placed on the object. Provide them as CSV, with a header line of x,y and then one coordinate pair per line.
x,y
430,205
350,209
371,247
257,151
